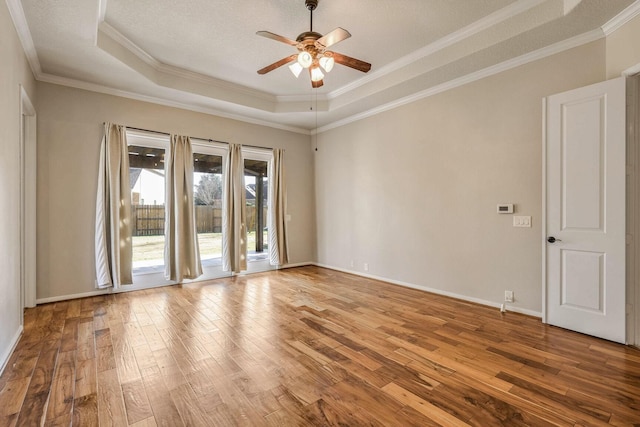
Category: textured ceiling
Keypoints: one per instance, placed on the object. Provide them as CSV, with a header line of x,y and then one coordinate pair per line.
x,y
222,41
204,54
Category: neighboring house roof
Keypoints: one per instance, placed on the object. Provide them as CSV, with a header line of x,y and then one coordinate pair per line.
x,y
134,174
250,192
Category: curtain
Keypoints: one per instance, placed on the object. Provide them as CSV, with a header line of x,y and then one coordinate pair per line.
x,y
234,227
278,244
113,210
181,252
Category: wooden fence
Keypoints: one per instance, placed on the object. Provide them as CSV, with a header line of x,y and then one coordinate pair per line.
x,y
148,220
251,218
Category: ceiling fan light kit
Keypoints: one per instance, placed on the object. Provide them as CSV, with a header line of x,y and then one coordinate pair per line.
x,y
316,74
312,53
327,62
296,69
305,59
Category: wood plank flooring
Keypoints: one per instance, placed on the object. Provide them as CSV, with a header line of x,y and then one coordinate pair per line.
x,y
308,346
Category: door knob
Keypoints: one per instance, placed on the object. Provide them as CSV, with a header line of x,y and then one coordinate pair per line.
x,y
552,239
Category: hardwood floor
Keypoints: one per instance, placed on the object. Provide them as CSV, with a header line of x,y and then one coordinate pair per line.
x,y
308,346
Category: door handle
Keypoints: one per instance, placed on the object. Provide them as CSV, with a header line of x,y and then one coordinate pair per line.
x,y
552,239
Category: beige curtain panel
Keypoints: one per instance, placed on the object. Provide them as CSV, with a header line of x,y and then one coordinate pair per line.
x,y
278,244
113,210
234,223
181,252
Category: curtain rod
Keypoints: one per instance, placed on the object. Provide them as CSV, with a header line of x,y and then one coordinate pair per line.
x,y
193,137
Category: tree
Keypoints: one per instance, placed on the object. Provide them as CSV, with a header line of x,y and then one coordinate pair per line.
x,y
209,189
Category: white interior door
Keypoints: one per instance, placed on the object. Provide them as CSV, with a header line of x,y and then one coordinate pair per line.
x,y
585,171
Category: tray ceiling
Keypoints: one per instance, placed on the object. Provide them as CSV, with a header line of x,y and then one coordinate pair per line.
x,y
204,54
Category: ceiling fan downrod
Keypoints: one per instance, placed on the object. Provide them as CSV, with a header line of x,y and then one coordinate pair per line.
x,y
311,5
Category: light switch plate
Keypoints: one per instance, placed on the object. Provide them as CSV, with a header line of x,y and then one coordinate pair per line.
x,y
522,221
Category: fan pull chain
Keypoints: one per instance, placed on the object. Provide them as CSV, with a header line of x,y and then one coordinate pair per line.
x,y
315,92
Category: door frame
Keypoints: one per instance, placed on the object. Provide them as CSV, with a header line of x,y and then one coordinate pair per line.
x,y
543,215
633,205
28,177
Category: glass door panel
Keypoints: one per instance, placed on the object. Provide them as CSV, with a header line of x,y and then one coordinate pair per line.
x,y
257,192
147,179
207,196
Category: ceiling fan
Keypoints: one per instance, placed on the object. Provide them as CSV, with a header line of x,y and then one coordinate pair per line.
x,y
312,51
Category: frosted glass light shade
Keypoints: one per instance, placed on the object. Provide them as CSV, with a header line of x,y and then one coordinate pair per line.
x,y
316,74
305,59
296,69
327,63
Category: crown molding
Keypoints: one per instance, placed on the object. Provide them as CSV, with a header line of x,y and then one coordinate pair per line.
x,y
631,71
495,69
160,73
622,18
544,52
22,28
102,10
301,98
440,44
102,13
115,35
455,37
498,16
109,31
78,84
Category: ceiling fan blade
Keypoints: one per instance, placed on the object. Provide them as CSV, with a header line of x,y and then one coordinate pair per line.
x,y
272,36
334,37
278,64
356,64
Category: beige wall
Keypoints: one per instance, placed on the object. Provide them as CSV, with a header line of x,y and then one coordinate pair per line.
x,y
623,48
413,191
69,133
14,71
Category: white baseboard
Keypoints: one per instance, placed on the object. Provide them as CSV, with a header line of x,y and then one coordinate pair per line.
x,y
72,296
4,358
436,291
130,288
297,264
106,291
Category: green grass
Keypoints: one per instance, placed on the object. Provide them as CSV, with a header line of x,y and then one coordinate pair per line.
x,y
147,248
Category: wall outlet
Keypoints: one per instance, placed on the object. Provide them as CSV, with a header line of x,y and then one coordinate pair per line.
x,y
366,266
351,264
508,296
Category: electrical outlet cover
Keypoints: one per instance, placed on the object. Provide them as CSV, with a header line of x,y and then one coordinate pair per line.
x,y
508,296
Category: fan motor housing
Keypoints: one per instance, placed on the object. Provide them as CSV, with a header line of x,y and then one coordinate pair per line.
x,y
308,35
307,42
